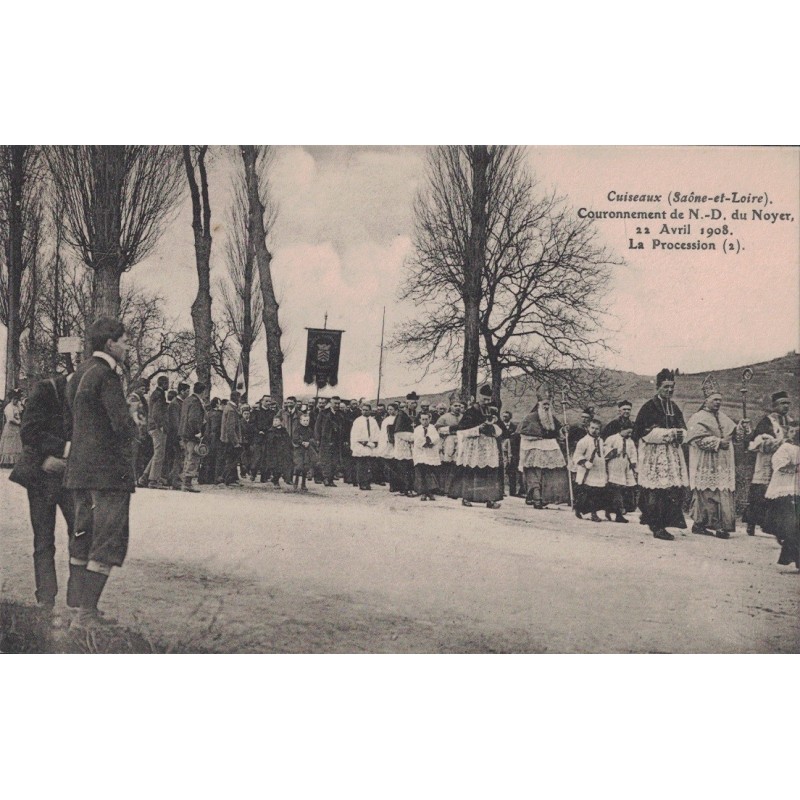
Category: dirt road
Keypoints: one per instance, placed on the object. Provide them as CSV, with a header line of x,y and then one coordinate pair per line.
x,y
258,569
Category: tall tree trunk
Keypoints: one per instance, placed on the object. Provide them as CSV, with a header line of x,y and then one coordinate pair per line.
x,y
201,225
106,293
109,172
14,260
263,258
497,383
58,224
473,269
247,316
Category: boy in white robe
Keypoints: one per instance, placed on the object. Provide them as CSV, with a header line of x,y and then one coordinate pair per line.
x,y
591,477
427,457
363,444
385,450
622,462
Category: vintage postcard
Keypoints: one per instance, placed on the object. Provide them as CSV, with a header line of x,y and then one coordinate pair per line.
x,y
400,399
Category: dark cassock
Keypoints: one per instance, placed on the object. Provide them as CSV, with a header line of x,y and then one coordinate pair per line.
x,y
765,440
478,455
624,419
663,477
404,449
278,461
540,458
262,422
328,432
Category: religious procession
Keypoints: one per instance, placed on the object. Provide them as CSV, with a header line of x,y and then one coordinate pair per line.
x,y
85,454
476,454
506,411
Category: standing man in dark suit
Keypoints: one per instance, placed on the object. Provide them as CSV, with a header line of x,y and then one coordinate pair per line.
x,y
42,431
328,432
100,468
231,439
190,430
174,461
157,428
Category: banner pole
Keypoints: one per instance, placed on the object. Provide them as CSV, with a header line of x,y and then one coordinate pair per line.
x,y
380,362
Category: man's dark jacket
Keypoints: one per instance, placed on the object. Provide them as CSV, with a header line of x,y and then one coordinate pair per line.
x,y
328,430
157,414
173,421
100,429
192,417
42,427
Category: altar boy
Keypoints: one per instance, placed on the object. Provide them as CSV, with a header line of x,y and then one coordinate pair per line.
x,y
591,474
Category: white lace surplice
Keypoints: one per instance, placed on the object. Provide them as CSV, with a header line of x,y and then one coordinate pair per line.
x,y
711,468
540,453
661,461
476,450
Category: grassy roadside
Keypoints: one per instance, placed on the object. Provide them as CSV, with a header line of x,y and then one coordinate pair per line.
x,y
24,629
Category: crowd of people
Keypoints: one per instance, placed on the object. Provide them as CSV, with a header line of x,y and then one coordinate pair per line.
x,y
90,446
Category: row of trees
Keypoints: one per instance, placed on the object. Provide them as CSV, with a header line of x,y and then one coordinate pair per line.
x,y
505,279
75,219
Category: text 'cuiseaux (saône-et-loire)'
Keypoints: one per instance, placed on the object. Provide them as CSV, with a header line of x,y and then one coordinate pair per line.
x,y
721,218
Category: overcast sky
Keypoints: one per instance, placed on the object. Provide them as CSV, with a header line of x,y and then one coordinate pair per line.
x,y
345,228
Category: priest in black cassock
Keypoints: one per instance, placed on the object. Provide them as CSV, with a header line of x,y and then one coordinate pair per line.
x,y
478,456
659,432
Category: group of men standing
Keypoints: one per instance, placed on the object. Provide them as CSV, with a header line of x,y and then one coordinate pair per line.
x,y
80,436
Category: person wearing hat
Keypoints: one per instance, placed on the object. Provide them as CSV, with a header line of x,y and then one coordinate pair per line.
x,y
328,432
659,431
404,445
623,420
712,472
765,440
478,456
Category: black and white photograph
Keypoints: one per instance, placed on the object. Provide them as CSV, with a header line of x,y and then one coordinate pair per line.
x,y
287,399
372,463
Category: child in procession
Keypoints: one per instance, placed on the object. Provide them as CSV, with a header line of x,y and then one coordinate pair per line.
x,y
427,457
622,477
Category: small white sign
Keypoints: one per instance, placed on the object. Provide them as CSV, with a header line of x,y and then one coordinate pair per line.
x,y
70,344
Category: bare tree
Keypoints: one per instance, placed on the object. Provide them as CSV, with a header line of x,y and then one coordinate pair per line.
x,y
201,225
225,355
117,200
257,160
543,277
157,345
21,222
242,301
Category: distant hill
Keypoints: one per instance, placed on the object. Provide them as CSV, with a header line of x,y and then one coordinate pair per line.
x,y
768,377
